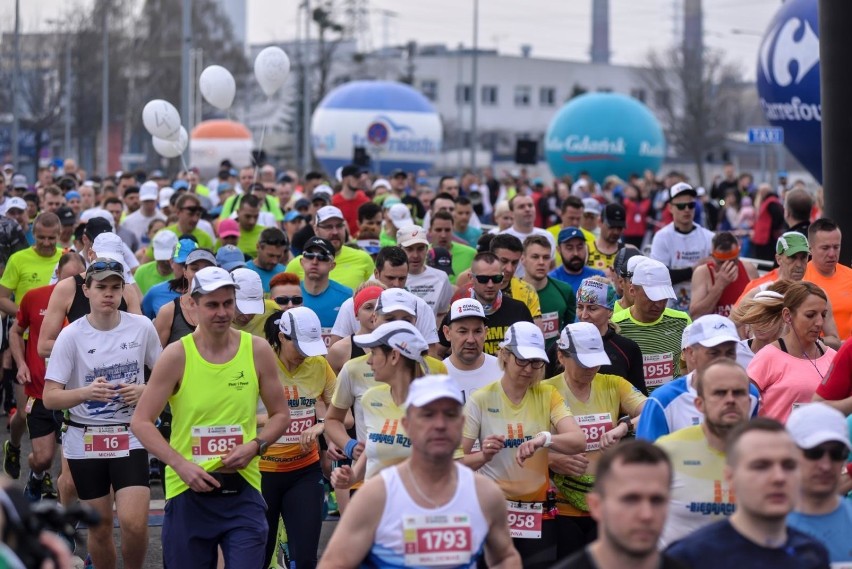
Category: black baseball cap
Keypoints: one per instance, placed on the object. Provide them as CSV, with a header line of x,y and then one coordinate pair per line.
x,y
624,254
614,215
319,243
350,170
96,226
440,258
66,216
399,172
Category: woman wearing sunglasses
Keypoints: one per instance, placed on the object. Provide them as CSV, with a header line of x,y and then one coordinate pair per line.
x,y
285,291
291,476
597,401
512,420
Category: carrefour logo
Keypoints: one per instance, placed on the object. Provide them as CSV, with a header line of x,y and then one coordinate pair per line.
x,y
793,42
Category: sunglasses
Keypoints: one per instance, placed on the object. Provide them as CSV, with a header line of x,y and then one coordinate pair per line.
x,y
101,266
536,364
835,453
321,257
196,210
285,300
683,206
483,279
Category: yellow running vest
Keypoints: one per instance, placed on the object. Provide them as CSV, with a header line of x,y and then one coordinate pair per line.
x,y
213,411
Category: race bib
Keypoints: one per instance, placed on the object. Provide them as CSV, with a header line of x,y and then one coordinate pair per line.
x,y
594,427
658,369
209,443
106,442
549,324
300,421
437,540
29,408
326,336
525,519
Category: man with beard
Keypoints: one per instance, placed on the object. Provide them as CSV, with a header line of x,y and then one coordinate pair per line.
x,y
575,253
500,310
700,495
467,363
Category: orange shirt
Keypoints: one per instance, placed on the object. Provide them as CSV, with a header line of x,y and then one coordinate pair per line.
x,y
768,278
839,292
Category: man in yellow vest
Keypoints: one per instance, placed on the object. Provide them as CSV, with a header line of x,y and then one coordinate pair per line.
x,y
212,379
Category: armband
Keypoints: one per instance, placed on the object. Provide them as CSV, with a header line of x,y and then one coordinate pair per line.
x,y
350,448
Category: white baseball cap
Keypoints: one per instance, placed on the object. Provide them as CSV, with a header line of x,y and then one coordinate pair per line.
x,y
399,335
584,342
210,279
166,194
525,340
250,291
109,245
323,191
302,325
148,192
16,203
633,261
681,188
328,212
712,330
399,215
591,205
466,308
393,299
164,243
430,388
411,235
381,183
813,424
94,212
654,278
684,337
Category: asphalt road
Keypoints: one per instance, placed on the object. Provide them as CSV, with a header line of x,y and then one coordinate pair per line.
x,y
154,556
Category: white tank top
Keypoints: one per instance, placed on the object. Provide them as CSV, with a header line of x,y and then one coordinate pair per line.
x,y
410,535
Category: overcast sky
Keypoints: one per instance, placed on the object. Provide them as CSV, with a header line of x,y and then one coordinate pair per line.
x,y
554,28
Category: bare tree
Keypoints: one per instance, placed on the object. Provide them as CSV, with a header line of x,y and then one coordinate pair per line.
x,y
695,98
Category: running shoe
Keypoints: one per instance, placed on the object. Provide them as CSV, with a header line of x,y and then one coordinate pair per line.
x,y
12,460
48,490
33,489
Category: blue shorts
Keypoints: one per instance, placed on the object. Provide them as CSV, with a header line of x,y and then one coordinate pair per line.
x,y
195,524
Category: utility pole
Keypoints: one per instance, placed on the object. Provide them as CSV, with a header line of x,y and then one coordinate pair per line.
x,y
306,93
185,78
66,143
475,86
105,95
16,81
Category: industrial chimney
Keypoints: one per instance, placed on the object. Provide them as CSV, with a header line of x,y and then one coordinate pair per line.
x,y
600,31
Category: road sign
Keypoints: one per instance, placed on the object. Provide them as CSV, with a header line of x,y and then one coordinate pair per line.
x,y
765,135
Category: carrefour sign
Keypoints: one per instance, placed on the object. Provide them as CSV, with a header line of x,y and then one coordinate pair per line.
x,y
394,123
788,81
604,134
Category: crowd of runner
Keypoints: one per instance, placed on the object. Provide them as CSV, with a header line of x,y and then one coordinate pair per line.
x,y
473,371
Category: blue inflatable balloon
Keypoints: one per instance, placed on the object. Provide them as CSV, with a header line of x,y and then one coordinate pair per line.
x,y
395,124
788,81
604,134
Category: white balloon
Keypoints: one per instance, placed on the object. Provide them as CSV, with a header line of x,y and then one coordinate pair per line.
x,y
161,119
218,87
271,68
171,148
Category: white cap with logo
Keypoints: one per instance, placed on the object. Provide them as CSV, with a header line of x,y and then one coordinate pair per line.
x,y
210,279
329,212
525,340
399,215
399,335
712,330
654,278
430,388
411,235
583,341
813,424
466,308
250,291
302,325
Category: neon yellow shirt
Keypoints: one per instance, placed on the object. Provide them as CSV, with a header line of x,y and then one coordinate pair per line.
x,y
27,270
352,267
256,324
489,411
610,395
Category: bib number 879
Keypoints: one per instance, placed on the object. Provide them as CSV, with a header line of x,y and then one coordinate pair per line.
x,y
521,521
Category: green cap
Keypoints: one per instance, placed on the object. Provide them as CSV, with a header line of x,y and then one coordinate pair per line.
x,y
791,243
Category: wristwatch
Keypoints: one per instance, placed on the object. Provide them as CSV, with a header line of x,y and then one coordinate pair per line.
x,y
262,445
629,422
